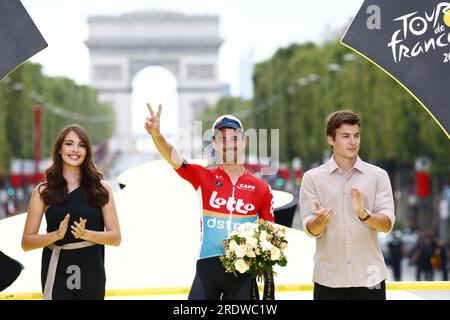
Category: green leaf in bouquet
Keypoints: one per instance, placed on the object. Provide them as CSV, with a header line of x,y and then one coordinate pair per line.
x,y
282,262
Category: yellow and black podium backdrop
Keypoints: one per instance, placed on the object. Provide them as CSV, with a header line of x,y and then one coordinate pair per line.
x,y
409,40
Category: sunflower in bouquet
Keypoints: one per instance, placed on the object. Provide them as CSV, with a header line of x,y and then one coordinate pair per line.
x,y
255,248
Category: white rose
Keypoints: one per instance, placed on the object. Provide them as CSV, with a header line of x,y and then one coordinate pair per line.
x,y
250,233
275,254
251,242
248,225
244,227
280,233
232,245
241,251
241,265
266,245
263,236
251,254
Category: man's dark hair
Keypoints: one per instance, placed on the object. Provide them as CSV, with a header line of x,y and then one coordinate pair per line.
x,y
338,118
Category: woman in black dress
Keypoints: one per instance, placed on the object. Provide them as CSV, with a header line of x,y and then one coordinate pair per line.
x,y
74,195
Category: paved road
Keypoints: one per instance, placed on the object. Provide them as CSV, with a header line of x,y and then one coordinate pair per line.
x,y
123,162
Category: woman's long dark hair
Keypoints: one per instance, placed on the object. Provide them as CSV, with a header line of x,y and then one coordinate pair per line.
x,y
55,191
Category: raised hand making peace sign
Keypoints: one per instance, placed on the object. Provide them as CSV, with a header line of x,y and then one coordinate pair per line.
x,y
165,149
152,124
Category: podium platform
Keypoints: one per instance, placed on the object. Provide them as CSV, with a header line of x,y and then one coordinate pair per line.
x,y
160,222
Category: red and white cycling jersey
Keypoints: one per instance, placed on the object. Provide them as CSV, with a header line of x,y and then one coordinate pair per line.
x,y
226,205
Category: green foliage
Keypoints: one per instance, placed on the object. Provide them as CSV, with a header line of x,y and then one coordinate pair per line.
x,y
300,85
229,105
62,100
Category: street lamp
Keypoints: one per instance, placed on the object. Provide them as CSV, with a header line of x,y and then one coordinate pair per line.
x,y
334,67
291,90
18,86
37,110
303,81
36,97
37,140
312,77
349,57
274,99
18,173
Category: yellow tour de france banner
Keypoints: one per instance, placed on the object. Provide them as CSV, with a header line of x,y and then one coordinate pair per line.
x,y
409,40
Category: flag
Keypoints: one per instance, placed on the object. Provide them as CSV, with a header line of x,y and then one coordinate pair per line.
x,y
10,270
409,40
19,37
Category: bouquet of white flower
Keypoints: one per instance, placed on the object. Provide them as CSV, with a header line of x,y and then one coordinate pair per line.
x,y
255,248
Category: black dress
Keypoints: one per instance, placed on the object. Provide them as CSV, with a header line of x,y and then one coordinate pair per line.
x,y
80,273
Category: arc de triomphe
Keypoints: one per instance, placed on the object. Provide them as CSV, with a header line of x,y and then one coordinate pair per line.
x,y
187,45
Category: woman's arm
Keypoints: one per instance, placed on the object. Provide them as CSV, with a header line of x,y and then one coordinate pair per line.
x,y
30,238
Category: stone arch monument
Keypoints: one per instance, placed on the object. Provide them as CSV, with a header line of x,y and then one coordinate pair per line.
x,y
121,46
